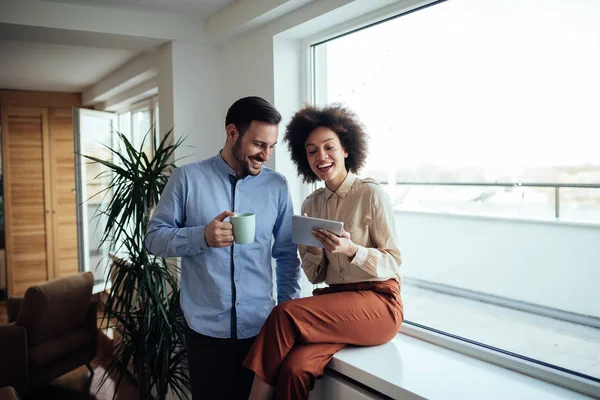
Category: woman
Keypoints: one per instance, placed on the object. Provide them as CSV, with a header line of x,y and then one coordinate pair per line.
x,y
362,305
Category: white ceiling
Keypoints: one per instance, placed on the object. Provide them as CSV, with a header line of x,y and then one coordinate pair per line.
x,y
48,58
27,33
56,68
73,45
201,9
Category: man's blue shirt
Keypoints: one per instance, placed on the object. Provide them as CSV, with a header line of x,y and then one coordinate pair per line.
x,y
228,291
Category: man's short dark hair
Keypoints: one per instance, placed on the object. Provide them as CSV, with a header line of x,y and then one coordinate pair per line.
x,y
252,108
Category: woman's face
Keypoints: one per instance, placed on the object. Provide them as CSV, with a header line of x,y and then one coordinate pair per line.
x,y
326,156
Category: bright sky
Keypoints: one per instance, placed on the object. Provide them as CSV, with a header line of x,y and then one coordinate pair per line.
x,y
476,82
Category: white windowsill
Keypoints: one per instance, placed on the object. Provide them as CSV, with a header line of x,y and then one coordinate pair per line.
x,y
410,368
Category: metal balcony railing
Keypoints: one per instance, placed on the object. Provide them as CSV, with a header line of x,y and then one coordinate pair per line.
x,y
556,186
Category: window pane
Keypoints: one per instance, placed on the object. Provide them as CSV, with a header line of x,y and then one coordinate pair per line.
x,y
125,124
95,134
142,124
462,97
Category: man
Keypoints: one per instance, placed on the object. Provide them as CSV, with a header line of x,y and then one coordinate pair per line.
x,y
227,289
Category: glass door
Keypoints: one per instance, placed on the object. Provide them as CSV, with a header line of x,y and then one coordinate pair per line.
x,y
94,132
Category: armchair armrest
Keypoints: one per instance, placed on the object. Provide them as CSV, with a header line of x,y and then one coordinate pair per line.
x,y
13,304
13,350
8,393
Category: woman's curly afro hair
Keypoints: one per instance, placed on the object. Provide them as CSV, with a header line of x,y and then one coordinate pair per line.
x,y
339,119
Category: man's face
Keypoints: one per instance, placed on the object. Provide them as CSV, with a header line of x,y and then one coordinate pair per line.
x,y
254,147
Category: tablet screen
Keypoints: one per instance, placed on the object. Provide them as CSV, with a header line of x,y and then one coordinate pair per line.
x,y
302,228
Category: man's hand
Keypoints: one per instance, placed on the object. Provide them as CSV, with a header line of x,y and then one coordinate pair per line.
x,y
219,233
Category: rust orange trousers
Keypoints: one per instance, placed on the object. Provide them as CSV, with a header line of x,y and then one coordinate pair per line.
x,y
300,336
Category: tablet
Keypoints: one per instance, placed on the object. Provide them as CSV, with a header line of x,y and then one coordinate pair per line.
x,y
302,228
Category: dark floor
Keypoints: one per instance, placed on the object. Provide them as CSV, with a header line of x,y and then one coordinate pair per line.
x,y
78,384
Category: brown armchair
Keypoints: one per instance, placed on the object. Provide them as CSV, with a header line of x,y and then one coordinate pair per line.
x,y
51,331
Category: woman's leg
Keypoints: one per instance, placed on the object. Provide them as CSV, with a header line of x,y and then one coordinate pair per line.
x,y
362,318
303,365
261,390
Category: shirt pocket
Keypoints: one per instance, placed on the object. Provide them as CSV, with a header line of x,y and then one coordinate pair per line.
x,y
359,229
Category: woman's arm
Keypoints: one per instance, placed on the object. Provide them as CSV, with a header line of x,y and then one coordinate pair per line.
x,y
383,258
314,265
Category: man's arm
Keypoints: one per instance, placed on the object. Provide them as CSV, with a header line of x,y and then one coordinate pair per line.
x,y
166,235
285,251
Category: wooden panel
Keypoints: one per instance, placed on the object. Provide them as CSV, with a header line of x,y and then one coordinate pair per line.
x,y
62,172
24,98
27,217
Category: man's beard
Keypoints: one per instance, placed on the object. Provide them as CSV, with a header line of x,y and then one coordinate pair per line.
x,y
242,161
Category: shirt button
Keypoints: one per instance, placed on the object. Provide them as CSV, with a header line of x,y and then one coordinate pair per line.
x,y
234,256
237,280
237,304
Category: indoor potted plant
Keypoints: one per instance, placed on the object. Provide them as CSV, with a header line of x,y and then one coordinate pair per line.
x,y
143,303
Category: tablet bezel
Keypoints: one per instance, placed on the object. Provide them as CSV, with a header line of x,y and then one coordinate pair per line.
x,y
302,228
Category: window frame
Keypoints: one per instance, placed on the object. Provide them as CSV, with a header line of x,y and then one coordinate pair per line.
x,y
503,358
151,104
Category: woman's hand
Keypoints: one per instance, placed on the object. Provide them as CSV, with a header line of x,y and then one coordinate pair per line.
x,y
313,250
336,244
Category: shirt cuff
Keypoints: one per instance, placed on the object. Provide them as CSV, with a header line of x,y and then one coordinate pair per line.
x,y
361,256
197,240
313,258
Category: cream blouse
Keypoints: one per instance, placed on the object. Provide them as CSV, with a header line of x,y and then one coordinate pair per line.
x,y
366,211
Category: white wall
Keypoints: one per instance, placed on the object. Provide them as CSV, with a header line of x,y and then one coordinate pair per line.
x,y
197,99
190,98
164,78
552,264
247,67
270,70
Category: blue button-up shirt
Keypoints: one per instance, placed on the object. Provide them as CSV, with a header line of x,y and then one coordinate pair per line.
x,y
228,291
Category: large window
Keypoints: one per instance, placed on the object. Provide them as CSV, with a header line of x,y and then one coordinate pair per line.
x,y
485,92
483,118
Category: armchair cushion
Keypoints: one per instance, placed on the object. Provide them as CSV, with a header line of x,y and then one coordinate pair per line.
x,y
54,349
50,309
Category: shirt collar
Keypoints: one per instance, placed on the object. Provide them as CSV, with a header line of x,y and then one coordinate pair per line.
x,y
344,188
223,166
226,169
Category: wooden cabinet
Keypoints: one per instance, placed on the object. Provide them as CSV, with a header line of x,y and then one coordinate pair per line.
x,y
39,187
